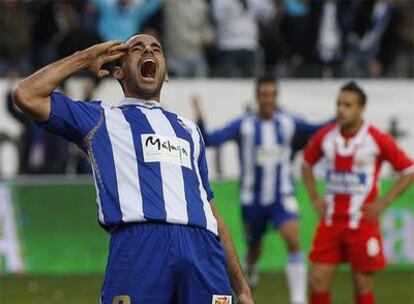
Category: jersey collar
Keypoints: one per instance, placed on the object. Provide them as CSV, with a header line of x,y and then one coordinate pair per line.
x,y
346,148
140,102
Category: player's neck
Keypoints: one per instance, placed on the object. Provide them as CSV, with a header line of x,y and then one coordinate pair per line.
x,y
352,129
129,93
146,98
267,115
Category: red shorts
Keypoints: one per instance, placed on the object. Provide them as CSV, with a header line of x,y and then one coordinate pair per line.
x,y
361,247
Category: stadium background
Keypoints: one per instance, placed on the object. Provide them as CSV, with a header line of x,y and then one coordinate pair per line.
x,y
51,248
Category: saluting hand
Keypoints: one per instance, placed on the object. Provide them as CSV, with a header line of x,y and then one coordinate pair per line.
x,y
99,54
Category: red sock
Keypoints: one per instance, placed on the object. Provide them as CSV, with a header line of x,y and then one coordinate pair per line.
x,y
366,298
320,298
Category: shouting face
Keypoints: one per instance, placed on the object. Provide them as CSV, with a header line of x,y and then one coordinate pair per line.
x,y
143,69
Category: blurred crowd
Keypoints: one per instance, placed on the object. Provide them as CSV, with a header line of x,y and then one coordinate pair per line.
x,y
221,38
40,152
202,38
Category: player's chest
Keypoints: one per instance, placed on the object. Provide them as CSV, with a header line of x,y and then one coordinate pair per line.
x,y
149,141
358,153
267,143
166,148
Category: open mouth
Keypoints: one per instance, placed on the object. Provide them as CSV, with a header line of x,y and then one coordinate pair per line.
x,y
148,69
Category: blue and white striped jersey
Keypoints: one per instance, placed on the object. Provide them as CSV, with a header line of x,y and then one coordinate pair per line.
x,y
149,164
264,152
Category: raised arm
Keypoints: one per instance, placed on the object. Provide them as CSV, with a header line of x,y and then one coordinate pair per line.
x,y
237,279
16,113
219,136
305,127
32,95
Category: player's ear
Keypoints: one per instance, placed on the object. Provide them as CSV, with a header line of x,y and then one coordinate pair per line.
x,y
118,73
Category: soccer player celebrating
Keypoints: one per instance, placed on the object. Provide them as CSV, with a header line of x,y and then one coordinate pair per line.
x,y
266,186
151,179
349,228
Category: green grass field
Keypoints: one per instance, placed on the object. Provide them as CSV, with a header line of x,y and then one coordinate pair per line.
x,y
47,250
391,288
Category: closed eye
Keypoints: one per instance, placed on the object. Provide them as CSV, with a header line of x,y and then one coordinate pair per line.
x,y
140,47
156,47
137,48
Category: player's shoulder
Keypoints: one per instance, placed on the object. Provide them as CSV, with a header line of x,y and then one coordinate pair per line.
x,y
283,112
286,117
289,119
324,131
379,136
59,97
98,104
186,123
245,116
375,131
245,121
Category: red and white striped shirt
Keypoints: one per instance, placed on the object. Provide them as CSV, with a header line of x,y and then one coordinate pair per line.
x,y
354,163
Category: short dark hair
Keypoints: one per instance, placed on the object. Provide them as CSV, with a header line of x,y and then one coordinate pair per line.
x,y
352,86
265,79
113,64
110,66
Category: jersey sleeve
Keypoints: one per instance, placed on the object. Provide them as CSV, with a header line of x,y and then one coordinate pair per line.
x,y
391,152
219,136
203,169
302,126
313,151
71,119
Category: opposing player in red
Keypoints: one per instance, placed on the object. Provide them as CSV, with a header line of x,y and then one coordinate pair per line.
x,y
349,228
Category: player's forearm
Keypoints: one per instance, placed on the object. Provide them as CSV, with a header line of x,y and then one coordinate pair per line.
x,y
399,187
309,181
43,82
237,278
236,275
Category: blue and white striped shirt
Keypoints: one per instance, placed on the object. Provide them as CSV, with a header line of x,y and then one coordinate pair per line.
x,y
148,164
264,152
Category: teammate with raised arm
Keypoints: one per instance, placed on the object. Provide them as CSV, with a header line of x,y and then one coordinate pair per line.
x,y
151,179
349,229
267,193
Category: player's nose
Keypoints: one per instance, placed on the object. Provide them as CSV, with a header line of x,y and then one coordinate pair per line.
x,y
148,49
